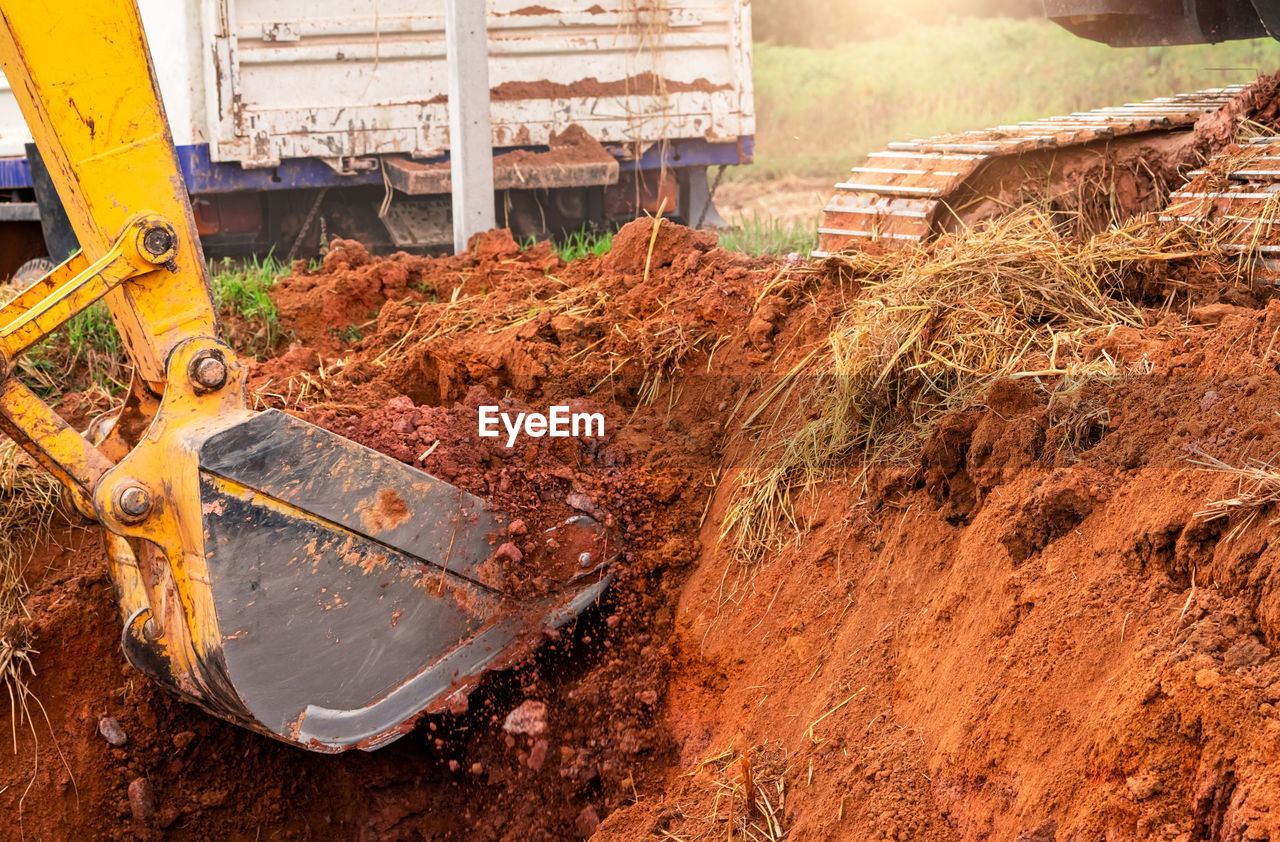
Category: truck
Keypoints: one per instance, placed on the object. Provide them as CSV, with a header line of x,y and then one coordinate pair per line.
x,y
299,121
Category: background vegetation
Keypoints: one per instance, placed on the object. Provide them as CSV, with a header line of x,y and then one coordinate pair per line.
x,y
828,23
834,81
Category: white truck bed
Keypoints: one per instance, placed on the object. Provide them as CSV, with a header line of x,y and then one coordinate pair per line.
x,y
260,81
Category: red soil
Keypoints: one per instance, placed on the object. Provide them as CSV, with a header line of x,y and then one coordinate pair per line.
x,y
1026,634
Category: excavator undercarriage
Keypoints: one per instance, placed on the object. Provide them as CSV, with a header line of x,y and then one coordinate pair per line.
x,y
1208,158
1178,155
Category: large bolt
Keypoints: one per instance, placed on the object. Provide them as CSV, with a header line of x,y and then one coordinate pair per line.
x,y
209,372
157,241
134,502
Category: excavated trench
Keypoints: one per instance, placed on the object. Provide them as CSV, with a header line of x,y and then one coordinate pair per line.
x,y
1026,632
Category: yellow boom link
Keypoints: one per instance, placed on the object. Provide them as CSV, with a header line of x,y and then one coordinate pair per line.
x,y
82,74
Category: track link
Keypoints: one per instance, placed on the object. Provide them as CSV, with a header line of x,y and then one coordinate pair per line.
x,y
914,190
1240,190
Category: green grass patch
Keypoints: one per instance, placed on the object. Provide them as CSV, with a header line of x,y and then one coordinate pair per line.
x,y
584,243
83,355
766,235
88,353
588,241
819,111
243,288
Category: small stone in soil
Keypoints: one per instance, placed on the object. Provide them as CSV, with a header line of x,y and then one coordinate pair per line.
x,y
168,816
587,822
141,800
530,718
580,501
182,739
109,728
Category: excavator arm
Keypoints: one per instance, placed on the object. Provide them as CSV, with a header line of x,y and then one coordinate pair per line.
x,y
276,574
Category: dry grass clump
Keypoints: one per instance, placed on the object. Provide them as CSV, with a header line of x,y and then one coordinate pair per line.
x,y
1257,487
933,326
650,340
28,500
747,795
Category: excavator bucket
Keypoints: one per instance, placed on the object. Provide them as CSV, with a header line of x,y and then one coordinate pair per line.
x,y
276,574
352,593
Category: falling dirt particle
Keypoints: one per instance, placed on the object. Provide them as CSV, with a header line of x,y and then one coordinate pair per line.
x,y
142,801
517,528
537,755
587,822
530,718
109,728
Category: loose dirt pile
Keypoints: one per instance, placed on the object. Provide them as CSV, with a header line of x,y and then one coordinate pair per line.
x,y
1021,630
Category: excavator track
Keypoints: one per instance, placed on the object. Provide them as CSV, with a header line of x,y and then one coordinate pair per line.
x,y
1238,190
917,189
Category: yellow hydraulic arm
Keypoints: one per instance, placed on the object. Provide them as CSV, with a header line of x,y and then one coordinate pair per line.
x,y
254,573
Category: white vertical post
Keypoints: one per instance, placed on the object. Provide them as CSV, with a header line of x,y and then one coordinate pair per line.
x,y
470,141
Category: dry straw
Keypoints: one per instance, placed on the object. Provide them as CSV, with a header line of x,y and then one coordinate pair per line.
x,y
1257,487
28,500
931,327
747,794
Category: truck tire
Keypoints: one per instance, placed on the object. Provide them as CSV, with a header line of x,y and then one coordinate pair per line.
x,y
33,270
